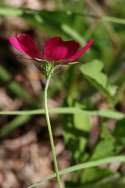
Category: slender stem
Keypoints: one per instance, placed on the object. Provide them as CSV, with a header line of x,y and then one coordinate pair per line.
x,y
50,130
80,167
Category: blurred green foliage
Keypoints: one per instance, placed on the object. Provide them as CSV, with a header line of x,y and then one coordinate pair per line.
x,y
103,75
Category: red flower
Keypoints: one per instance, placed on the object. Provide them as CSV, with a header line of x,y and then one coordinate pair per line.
x,y
55,49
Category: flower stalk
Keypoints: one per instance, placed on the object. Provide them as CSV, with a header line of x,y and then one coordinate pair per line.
x,y
50,128
56,52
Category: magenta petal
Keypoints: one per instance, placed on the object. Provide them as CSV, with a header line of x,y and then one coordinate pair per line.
x,y
72,47
79,53
57,49
59,53
29,46
25,44
14,42
50,46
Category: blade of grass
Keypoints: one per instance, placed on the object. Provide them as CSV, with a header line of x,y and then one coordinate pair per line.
x,y
113,20
68,110
79,167
17,122
73,33
10,11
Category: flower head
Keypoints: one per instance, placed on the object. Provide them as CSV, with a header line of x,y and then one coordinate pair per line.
x,y
55,49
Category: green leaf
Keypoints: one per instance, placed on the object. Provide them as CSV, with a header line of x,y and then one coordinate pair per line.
x,y
119,132
106,146
94,174
83,125
93,72
103,149
82,121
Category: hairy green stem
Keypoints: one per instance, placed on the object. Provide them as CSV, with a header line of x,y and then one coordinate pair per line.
x,y
50,130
